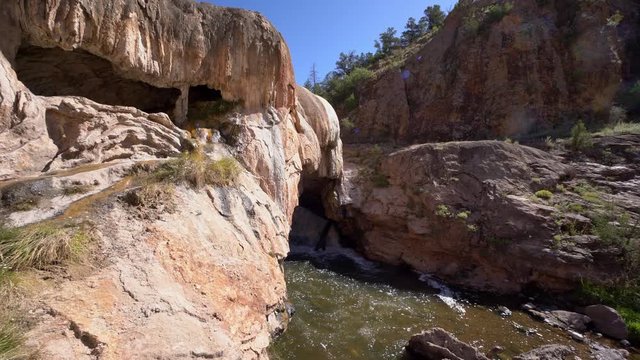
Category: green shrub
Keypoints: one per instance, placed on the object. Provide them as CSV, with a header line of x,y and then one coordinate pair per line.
x,y
581,138
342,89
347,124
463,215
41,245
544,194
494,14
198,169
443,210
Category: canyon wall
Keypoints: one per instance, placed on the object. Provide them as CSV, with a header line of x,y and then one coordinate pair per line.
x,y
504,69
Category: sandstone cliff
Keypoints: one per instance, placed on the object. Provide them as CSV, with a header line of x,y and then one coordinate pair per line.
x,y
93,91
515,69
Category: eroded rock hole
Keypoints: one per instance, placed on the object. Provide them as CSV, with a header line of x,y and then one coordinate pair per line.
x,y
209,110
310,227
56,72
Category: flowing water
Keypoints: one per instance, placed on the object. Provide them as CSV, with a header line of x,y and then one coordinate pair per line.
x,y
349,308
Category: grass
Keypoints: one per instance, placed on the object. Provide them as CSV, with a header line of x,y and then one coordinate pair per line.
x,y
198,169
10,339
621,128
588,193
41,245
75,189
153,196
544,194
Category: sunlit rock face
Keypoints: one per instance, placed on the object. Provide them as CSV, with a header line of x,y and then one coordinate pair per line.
x,y
90,89
531,72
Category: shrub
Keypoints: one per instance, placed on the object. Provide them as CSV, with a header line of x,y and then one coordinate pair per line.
x,y
341,89
463,215
198,170
41,245
347,124
580,137
443,210
544,194
494,14
157,196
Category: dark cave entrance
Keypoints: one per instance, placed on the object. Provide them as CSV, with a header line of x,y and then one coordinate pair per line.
x,y
310,227
56,72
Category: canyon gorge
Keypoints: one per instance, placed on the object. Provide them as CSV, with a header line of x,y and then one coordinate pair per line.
x,y
159,163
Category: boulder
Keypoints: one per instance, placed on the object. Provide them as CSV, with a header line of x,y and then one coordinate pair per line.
x,y
571,320
437,344
607,321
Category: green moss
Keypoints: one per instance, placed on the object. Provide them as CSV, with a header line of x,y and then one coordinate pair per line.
x,y
544,194
463,215
472,228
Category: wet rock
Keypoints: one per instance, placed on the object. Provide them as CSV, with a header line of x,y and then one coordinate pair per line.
x,y
547,352
572,320
504,311
607,321
602,352
437,344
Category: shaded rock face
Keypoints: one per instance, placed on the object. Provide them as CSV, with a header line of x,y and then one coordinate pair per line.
x,y
466,212
533,71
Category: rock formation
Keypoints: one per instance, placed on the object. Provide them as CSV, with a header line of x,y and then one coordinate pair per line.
x,y
438,344
513,69
92,91
468,212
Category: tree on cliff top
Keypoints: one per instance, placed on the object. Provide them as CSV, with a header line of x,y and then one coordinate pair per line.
x,y
433,17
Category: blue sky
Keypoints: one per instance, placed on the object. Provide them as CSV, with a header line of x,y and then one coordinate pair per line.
x,y
318,30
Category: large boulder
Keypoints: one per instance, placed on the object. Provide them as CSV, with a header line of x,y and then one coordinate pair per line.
x,y
467,212
438,344
607,321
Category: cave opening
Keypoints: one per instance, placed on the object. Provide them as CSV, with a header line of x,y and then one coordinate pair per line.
x,y
56,72
310,227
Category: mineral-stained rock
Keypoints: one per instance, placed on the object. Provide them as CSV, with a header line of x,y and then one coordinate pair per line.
x,y
87,88
607,321
482,76
547,352
466,212
438,344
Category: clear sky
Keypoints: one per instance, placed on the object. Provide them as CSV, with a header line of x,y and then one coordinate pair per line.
x,y
318,30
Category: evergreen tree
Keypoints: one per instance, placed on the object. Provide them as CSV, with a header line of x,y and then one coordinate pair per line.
x,y
433,17
388,41
412,32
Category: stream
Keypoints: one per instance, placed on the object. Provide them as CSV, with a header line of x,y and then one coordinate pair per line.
x,y
350,308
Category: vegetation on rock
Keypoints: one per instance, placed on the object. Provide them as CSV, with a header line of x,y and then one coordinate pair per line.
x,y
41,245
197,169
